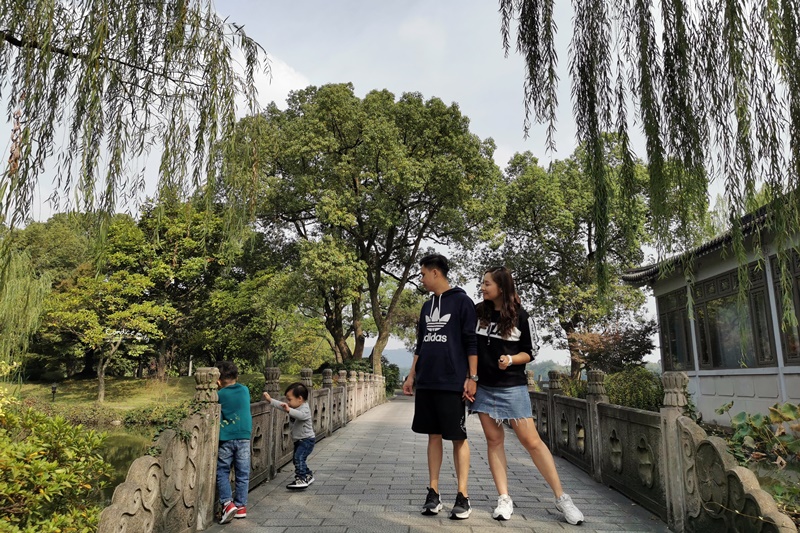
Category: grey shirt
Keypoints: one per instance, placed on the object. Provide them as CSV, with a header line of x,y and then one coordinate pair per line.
x,y
302,425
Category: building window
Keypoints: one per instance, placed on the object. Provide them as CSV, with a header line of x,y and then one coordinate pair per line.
x,y
673,319
732,335
790,335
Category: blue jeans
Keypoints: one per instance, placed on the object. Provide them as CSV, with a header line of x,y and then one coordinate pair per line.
x,y
302,449
236,453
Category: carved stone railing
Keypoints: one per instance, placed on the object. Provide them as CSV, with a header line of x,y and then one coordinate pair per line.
x,y
174,491
663,461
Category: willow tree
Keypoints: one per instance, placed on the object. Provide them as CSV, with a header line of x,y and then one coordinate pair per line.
x,y
716,89
112,80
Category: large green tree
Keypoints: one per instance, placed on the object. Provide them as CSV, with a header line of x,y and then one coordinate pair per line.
x,y
716,89
550,244
103,313
374,178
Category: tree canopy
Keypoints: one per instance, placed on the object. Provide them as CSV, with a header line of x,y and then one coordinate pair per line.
x,y
716,89
358,186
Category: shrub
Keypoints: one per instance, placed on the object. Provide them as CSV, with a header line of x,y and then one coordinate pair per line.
x,y
635,387
51,472
574,387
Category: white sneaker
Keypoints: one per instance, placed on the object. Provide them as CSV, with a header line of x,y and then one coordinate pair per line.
x,y
504,509
571,513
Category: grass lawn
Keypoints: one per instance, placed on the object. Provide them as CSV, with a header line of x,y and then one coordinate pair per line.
x,y
124,394
121,393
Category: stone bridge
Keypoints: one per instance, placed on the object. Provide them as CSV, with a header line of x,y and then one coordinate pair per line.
x,y
628,470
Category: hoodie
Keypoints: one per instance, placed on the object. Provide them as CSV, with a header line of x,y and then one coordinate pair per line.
x,y
445,339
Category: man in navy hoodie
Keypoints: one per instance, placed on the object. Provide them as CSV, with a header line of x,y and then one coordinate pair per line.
x,y
444,372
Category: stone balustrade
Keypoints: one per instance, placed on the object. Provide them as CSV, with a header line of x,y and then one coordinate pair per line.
x,y
663,461
174,491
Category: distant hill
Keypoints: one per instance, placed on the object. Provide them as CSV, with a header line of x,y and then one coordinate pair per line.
x,y
400,357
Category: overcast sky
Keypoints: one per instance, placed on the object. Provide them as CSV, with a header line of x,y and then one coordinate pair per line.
x,y
450,49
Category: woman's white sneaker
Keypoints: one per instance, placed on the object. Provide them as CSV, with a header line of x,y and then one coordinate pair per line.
x,y
571,513
504,509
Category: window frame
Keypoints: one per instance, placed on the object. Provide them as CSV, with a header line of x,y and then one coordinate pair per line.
x,y
726,285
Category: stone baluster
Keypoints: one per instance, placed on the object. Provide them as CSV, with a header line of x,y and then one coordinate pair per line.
x,y
272,381
353,377
205,388
205,392
553,389
596,394
674,403
305,377
342,378
531,380
327,378
361,377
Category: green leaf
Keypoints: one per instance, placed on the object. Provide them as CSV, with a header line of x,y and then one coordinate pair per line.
x,y
739,419
724,408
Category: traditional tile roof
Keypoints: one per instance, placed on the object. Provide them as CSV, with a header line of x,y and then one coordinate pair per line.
x,y
647,274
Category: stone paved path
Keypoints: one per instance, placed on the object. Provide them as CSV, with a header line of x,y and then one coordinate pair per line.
x,y
371,477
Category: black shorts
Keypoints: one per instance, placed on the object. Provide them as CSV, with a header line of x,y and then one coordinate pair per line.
x,y
440,412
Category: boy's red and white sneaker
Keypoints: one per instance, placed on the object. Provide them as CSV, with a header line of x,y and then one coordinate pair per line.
x,y
241,512
228,510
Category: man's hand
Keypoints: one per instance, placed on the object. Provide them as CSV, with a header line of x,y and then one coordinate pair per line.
x,y
408,386
470,387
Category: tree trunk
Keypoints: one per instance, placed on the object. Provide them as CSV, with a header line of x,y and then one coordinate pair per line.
x,y
161,361
377,352
358,331
575,360
101,382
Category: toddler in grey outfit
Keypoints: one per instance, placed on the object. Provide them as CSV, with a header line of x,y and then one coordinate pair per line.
x,y
302,431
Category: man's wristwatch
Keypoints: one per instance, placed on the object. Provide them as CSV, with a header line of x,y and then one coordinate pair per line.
x,y
474,378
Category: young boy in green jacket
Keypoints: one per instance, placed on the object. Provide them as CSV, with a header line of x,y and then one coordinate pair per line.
x,y
234,442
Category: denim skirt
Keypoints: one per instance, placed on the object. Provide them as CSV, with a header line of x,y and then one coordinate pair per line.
x,y
503,403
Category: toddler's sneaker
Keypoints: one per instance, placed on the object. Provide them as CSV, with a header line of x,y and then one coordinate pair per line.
x,y
461,509
241,512
298,483
504,509
228,510
571,513
433,504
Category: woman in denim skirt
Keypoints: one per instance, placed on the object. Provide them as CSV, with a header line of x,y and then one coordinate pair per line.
x,y
506,343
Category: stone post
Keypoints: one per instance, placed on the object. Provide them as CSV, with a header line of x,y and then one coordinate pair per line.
x,y
531,380
327,378
553,389
205,392
272,385
361,377
674,402
205,388
596,394
342,378
353,377
305,377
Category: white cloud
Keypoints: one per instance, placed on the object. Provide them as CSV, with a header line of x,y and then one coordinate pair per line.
x,y
276,88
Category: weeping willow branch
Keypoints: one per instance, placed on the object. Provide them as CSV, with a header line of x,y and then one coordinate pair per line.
x,y
114,81
715,90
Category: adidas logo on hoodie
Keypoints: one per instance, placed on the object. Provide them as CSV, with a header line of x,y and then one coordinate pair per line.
x,y
434,323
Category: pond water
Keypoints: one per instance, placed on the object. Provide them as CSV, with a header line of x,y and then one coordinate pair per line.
x,y
122,448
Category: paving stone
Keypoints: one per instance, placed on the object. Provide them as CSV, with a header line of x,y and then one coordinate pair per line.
x,y
371,476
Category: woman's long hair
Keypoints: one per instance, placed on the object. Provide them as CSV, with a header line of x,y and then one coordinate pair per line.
x,y
511,302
